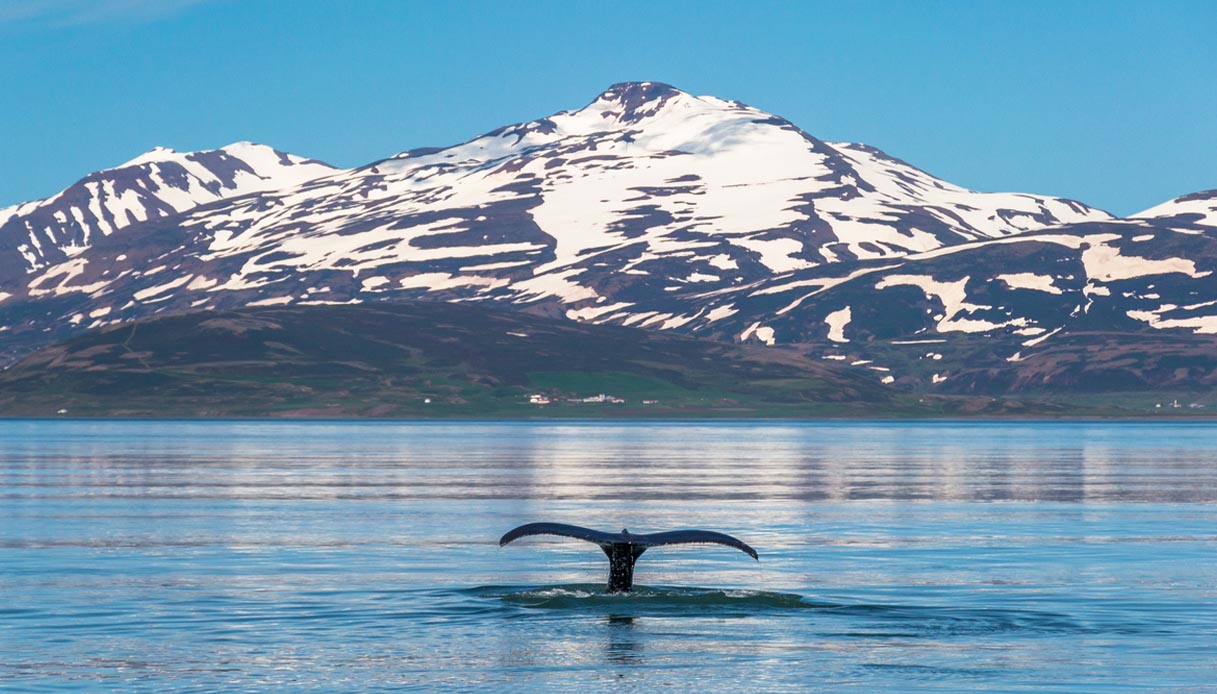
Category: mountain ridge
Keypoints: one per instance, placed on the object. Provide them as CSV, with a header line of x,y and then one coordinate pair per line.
x,y
155,184
655,208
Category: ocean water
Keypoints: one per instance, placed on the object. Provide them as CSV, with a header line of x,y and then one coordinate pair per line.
x,y
363,556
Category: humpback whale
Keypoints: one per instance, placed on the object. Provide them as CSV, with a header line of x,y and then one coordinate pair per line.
x,y
624,548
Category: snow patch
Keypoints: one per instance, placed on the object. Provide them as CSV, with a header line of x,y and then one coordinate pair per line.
x,y
434,281
272,301
836,321
763,333
1204,325
1030,280
1106,264
952,295
145,294
1038,340
721,312
594,312
200,282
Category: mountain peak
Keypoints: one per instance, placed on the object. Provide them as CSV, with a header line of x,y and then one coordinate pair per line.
x,y
630,102
244,150
639,90
1204,195
1199,207
153,155
244,145
156,184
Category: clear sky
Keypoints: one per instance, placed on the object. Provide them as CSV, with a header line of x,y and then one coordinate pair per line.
x,y
1112,103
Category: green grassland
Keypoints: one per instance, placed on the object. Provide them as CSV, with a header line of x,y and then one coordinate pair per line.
x,y
451,360
412,360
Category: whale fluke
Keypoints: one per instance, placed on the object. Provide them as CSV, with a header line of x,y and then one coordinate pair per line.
x,y
624,548
560,529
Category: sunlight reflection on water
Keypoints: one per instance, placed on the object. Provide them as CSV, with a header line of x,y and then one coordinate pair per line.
x,y
326,556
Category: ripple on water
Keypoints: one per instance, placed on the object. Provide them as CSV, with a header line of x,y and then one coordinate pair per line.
x,y
840,619
321,557
650,599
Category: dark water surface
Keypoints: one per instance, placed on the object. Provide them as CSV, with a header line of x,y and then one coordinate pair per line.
x,y
336,557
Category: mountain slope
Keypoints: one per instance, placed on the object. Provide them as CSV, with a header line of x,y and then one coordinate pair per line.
x,y
623,211
1125,274
154,185
657,209
1007,315
1197,209
390,359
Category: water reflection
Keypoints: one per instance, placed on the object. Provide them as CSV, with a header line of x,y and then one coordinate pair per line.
x,y
623,646
213,556
743,461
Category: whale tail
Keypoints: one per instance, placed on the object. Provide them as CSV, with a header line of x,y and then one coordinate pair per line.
x,y
624,548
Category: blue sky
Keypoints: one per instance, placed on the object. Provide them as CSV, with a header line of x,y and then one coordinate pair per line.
x,y
1111,103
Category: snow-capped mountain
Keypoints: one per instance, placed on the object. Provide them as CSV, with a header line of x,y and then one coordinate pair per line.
x,y
1011,298
644,173
648,207
647,188
154,185
1199,209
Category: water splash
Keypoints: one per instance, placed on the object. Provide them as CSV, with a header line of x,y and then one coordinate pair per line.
x,y
859,620
673,599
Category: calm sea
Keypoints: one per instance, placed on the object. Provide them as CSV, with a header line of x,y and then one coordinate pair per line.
x,y
363,556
